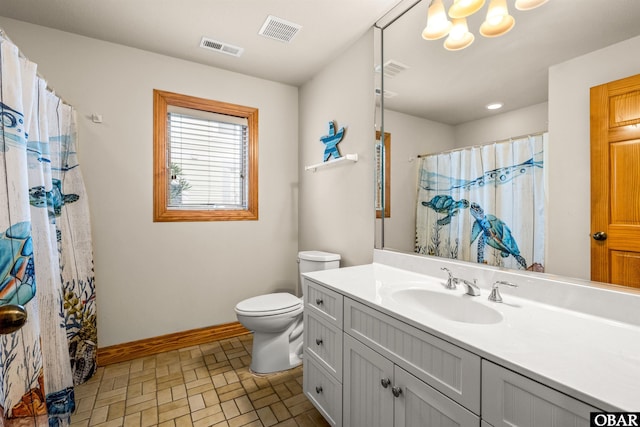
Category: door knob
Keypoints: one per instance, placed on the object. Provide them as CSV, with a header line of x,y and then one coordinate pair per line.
x,y
397,391
318,341
12,318
600,236
385,382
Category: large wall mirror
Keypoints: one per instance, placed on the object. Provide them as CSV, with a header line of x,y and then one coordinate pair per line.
x,y
433,100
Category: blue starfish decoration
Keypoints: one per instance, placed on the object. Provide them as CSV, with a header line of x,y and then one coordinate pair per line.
x,y
331,141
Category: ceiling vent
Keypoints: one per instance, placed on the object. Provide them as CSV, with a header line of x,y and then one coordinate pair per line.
x,y
279,29
221,47
387,93
392,68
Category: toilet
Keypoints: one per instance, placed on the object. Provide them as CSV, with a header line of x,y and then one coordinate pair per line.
x,y
276,319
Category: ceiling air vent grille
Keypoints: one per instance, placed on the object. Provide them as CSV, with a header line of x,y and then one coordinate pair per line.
x,y
392,68
221,47
279,29
387,93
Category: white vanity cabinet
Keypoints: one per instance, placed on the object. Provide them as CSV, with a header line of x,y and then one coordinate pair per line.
x,y
363,357
365,367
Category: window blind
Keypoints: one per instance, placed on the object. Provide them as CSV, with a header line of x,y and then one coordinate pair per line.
x,y
207,160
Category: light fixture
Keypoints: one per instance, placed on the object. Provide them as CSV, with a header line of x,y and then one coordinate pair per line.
x,y
494,106
438,25
529,4
459,36
498,20
464,8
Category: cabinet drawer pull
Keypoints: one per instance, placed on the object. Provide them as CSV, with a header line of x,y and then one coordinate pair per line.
x,y
319,301
397,391
385,382
318,341
318,389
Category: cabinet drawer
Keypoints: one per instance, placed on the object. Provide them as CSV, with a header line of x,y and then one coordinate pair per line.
x,y
510,399
324,302
449,369
324,391
323,341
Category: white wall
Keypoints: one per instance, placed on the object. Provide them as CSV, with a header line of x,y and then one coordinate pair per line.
x,y
158,278
336,203
569,167
410,137
502,126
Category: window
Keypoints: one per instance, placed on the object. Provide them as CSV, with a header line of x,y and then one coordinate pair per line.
x,y
205,159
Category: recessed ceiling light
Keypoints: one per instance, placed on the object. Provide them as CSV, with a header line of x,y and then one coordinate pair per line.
x,y
494,106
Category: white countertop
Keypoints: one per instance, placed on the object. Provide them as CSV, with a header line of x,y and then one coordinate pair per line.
x,y
591,358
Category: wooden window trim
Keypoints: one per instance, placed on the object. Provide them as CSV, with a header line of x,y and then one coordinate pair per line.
x,y
161,100
387,175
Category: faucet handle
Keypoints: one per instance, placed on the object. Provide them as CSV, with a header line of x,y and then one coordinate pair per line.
x,y
471,288
451,282
495,291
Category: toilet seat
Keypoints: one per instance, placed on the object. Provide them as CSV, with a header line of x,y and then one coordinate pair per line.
x,y
269,305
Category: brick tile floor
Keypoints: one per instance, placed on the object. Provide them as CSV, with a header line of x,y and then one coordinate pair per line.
x,y
200,386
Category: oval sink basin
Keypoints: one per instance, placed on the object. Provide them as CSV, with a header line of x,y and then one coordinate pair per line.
x,y
456,307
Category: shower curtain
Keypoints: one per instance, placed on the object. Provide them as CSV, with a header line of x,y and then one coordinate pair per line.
x,y
46,258
484,204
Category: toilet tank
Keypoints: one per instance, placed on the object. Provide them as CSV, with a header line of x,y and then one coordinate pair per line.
x,y
313,261
317,260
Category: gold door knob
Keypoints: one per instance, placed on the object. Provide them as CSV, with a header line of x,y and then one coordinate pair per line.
x,y
12,318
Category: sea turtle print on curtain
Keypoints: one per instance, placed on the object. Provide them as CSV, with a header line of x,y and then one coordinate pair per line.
x,y
484,204
492,231
17,279
45,250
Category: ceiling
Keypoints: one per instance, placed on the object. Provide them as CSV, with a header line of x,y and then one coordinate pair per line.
x,y
453,87
175,28
449,87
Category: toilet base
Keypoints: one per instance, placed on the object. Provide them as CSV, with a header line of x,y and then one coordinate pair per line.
x,y
275,352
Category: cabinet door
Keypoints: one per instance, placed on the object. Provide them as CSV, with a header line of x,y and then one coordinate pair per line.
x,y
420,405
366,402
509,399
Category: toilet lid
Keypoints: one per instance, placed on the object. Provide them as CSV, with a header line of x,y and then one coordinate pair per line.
x,y
280,302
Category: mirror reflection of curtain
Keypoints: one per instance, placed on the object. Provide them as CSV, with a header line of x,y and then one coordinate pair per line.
x,y
46,261
484,204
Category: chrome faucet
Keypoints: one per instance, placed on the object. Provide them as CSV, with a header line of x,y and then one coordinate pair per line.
x,y
495,292
452,282
472,288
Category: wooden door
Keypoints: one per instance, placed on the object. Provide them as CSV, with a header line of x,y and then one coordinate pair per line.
x,y
615,182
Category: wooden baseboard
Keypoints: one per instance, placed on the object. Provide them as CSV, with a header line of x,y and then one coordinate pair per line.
x,y
150,346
